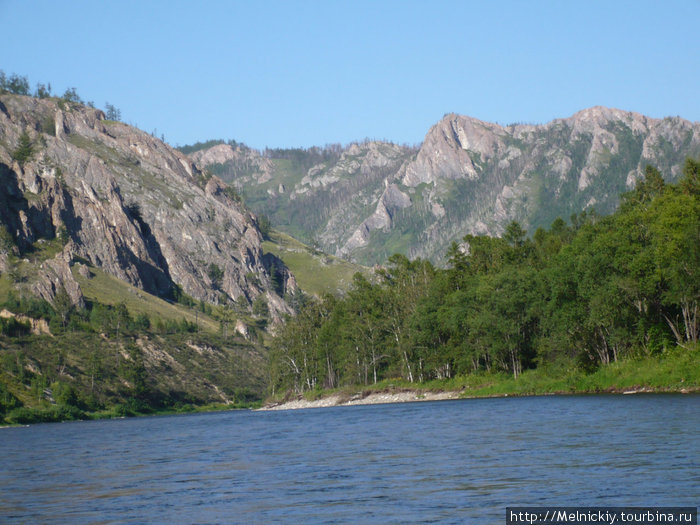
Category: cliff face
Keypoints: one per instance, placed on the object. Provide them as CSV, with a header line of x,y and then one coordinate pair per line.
x,y
112,195
468,176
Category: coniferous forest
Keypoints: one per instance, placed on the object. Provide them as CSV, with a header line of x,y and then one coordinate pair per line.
x,y
586,294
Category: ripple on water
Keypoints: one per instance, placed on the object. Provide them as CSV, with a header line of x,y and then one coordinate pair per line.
x,y
450,462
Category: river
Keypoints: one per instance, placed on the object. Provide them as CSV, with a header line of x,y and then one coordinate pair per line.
x,y
446,462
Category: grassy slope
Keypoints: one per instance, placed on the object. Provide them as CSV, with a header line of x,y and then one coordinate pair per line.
x,y
107,289
316,273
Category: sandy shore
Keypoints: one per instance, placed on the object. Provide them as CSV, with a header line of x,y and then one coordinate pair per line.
x,y
361,399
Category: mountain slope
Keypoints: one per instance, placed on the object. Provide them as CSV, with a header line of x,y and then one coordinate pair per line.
x,y
369,200
316,273
113,196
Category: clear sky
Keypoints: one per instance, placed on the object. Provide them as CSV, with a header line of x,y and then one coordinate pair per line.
x,y
302,73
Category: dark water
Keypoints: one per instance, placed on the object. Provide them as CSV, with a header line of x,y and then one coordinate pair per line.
x,y
447,462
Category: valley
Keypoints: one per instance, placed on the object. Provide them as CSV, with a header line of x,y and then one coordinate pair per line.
x,y
136,277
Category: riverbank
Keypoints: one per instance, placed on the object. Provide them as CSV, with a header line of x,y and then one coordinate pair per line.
x,y
24,416
363,398
676,372
379,398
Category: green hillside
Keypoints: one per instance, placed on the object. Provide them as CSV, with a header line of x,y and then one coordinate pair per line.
x,y
316,273
106,289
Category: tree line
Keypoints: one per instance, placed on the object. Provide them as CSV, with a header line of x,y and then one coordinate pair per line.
x,y
584,294
19,85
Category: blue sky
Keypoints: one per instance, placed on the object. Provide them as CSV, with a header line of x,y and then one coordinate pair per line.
x,y
303,73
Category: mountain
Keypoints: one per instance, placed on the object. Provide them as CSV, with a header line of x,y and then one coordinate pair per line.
x,y
371,199
77,189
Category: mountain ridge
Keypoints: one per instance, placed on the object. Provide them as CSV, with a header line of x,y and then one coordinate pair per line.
x,y
468,176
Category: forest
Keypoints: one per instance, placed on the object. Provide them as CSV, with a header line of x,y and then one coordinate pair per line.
x,y
598,290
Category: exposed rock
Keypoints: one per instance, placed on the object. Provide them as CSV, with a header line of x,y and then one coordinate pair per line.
x,y
127,203
83,270
54,274
215,155
392,200
470,176
242,328
247,162
450,148
37,326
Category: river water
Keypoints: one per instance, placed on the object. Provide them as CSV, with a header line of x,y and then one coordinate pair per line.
x,y
445,462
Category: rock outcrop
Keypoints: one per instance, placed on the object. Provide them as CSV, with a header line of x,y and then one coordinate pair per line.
x,y
468,176
113,196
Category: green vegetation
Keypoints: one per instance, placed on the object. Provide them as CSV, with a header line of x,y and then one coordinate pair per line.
x,y
265,179
24,151
675,371
187,149
603,304
316,273
16,84
82,375
105,289
112,112
7,242
215,274
62,361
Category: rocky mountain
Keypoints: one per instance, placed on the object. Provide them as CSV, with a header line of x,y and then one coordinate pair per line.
x,y
76,188
372,199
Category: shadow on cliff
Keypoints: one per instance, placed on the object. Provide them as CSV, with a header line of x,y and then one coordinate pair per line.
x,y
155,278
24,222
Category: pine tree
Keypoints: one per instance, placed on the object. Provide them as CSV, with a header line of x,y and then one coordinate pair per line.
x,y
24,149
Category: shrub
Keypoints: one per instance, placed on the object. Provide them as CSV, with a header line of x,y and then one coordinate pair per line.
x,y
215,274
24,415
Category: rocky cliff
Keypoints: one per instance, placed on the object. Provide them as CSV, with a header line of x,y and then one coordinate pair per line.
x,y
468,176
77,187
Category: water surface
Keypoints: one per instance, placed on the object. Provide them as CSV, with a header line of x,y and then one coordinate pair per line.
x,y
446,462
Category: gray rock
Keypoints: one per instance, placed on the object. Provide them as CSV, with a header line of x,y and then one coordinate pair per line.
x,y
470,176
129,204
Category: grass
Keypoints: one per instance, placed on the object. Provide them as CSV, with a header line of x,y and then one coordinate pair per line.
x,y
675,371
678,370
316,273
45,249
106,289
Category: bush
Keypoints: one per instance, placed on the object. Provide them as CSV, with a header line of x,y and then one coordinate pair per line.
x,y
264,226
29,306
232,194
215,274
260,306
